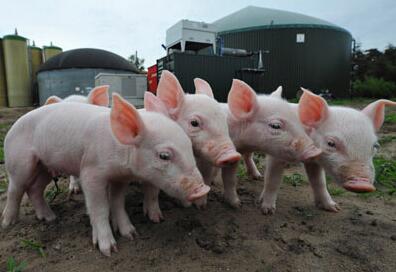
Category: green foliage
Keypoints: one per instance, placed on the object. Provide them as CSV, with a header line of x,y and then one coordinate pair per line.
x,y
385,175
36,246
373,87
390,118
387,139
139,62
242,171
335,190
12,265
294,179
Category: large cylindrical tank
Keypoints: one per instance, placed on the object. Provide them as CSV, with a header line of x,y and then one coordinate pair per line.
x,y
36,59
50,51
3,86
17,71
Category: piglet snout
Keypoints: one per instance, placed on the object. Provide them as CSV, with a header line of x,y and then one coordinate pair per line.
x,y
227,158
310,152
358,185
198,192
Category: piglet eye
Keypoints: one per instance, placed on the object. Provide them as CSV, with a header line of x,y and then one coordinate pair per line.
x,y
275,125
166,156
331,143
194,123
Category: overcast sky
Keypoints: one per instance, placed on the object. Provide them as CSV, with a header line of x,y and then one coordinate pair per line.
x,y
123,26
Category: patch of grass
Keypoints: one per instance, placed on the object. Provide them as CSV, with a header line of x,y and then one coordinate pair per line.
x,y
295,179
3,131
12,265
52,192
36,246
387,139
349,102
242,171
335,190
390,118
385,176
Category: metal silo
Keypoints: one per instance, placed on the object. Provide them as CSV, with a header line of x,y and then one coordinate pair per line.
x,y
36,59
17,71
302,50
50,51
3,84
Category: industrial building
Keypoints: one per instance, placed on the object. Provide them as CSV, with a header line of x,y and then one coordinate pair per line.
x,y
264,47
78,71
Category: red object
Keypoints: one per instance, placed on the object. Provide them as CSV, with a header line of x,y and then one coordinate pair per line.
x,y
152,81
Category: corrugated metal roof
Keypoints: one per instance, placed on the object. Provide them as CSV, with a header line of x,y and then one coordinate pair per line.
x,y
253,17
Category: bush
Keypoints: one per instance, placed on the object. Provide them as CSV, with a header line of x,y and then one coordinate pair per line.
x,y
373,87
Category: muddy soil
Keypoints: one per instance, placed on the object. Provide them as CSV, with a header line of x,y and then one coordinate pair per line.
x,y
299,237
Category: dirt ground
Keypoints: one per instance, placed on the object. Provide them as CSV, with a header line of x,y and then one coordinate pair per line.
x,y
299,237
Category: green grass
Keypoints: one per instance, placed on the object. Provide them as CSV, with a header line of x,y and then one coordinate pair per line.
x,y
3,131
334,189
36,246
387,139
385,176
242,172
12,265
390,118
294,179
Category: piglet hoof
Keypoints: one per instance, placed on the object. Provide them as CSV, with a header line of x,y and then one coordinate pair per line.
x,y
154,214
256,176
7,222
268,209
129,232
234,202
47,216
201,203
329,206
106,246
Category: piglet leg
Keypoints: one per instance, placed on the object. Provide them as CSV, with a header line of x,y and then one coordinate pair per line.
x,y
272,181
251,166
230,182
150,203
97,201
119,217
317,178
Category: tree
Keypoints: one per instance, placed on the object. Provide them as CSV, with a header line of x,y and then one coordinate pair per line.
x,y
139,62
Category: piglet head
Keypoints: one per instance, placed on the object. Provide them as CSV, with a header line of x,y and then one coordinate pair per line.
x,y
200,116
268,124
347,138
160,151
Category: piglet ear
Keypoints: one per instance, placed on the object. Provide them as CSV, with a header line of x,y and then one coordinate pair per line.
x,y
376,111
277,93
170,92
153,103
99,96
203,87
52,100
312,109
126,123
242,100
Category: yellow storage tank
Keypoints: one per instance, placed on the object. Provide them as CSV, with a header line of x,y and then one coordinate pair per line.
x,y
3,84
50,51
36,59
17,71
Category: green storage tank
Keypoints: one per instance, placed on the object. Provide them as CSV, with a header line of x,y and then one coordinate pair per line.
x,y
17,71
50,51
36,59
3,84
